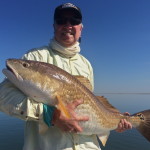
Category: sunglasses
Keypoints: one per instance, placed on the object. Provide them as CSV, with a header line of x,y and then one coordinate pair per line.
x,y
73,21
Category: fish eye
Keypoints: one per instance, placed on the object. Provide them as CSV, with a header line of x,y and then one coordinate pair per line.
x,y
25,65
140,116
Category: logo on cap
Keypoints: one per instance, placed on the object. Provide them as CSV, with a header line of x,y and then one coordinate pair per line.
x,y
69,5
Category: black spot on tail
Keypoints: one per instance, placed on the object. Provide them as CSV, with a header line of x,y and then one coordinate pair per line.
x,y
144,127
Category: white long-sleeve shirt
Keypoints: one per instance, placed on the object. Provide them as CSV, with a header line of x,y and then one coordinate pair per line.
x,y
15,103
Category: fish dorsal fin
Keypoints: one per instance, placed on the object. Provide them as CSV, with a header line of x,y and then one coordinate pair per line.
x,y
104,138
84,81
105,102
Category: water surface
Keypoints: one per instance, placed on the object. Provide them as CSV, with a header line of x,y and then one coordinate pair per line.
x,y
12,129
131,139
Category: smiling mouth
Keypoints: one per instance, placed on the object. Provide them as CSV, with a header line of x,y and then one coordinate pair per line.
x,y
67,33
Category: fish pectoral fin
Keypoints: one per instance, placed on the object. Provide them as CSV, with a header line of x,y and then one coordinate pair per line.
x,y
104,138
61,106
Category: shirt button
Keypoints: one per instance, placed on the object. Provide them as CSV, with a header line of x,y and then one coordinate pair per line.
x,y
37,115
21,112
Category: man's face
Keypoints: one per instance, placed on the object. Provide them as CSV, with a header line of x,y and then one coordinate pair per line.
x,y
67,30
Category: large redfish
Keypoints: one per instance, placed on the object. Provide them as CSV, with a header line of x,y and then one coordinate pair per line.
x,y
51,85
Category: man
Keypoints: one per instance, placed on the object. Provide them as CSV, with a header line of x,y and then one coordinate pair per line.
x,y
63,51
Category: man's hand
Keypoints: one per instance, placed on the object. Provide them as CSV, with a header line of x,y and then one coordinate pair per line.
x,y
124,124
69,124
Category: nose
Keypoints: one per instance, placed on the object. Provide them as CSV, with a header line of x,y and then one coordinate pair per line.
x,y
68,25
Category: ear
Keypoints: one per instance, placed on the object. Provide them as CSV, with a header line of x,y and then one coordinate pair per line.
x,y
81,27
81,31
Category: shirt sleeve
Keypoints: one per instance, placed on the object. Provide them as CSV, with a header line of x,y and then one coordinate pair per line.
x,y
14,103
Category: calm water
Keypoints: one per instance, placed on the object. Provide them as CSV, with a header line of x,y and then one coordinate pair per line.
x,y
12,129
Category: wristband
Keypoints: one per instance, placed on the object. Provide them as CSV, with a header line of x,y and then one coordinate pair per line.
x,y
48,112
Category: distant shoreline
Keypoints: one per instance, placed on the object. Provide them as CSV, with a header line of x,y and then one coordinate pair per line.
x,y
123,93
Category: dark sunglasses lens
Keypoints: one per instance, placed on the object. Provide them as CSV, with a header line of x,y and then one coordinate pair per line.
x,y
61,21
72,21
75,21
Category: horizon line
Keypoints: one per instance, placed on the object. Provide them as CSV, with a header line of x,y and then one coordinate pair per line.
x,y
122,93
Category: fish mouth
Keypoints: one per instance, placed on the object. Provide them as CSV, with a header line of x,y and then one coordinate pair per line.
x,y
9,70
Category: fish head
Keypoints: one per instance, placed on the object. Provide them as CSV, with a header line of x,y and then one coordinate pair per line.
x,y
36,79
17,70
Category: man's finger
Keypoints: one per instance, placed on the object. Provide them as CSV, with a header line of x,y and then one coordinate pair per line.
x,y
77,128
82,118
76,103
127,113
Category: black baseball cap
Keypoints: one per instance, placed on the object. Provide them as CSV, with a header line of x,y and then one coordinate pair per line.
x,y
67,6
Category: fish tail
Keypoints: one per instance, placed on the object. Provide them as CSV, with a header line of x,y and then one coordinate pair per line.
x,y
144,125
